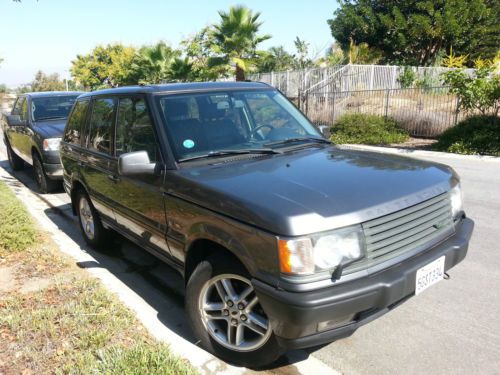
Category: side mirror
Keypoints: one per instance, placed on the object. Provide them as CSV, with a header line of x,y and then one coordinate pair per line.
x,y
325,130
15,120
133,163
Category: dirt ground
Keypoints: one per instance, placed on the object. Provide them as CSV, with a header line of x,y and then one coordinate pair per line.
x,y
416,144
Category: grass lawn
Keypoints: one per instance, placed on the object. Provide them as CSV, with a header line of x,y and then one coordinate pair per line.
x,y
55,318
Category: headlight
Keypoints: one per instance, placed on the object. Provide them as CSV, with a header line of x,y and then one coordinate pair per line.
x,y
322,252
51,144
456,200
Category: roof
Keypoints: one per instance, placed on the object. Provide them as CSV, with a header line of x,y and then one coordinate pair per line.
x,y
174,87
40,94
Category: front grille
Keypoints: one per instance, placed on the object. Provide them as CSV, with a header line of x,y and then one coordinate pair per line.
x,y
389,236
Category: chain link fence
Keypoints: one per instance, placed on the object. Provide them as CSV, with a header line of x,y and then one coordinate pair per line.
x,y
422,112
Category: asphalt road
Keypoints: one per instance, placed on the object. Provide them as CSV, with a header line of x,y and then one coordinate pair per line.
x,y
453,327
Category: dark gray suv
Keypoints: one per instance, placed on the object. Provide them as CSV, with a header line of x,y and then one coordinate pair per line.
x,y
283,239
32,132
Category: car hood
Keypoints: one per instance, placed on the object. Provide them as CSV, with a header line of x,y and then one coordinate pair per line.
x,y
50,129
311,190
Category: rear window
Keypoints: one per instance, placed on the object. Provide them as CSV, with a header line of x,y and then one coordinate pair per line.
x,y
76,122
52,107
101,123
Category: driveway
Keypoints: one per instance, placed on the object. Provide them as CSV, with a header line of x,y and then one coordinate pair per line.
x,y
453,327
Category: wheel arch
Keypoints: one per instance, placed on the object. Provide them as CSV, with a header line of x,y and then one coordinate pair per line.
x,y
76,186
203,247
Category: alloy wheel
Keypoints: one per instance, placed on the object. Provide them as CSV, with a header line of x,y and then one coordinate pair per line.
x,y
232,314
86,218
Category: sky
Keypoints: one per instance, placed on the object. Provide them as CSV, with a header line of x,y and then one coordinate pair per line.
x,y
47,34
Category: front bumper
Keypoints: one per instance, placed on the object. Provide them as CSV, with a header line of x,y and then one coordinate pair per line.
x,y
305,319
53,170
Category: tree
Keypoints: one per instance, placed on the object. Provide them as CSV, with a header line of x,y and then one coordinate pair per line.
x,y
415,32
202,51
302,60
480,92
275,59
333,56
153,63
47,82
181,69
237,37
106,66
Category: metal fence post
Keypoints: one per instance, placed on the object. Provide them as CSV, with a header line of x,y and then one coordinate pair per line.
x,y
272,78
386,102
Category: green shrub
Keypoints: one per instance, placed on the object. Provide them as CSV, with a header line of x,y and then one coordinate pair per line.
x,y
367,129
17,231
407,77
475,135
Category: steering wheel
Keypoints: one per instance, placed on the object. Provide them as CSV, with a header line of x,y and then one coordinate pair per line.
x,y
255,130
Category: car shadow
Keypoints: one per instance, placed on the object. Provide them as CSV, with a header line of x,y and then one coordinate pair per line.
x,y
160,286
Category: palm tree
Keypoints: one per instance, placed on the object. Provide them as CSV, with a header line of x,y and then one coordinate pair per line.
x,y
154,63
181,69
237,37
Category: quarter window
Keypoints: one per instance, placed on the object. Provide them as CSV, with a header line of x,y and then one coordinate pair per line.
x,y
101,123
76,122
134,129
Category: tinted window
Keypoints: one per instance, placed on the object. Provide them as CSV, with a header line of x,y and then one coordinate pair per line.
x,y
17,107
52,107
24,110
76,122
199,124
134,129
101,123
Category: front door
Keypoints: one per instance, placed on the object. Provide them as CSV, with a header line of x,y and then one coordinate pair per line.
x,y
138,199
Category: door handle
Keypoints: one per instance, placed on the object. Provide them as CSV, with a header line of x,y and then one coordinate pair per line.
x,y
113,178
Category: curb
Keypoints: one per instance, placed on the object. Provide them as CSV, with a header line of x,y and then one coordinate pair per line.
x,y
200,359
409,152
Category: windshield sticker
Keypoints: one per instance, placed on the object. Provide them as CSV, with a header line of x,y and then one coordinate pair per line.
x,y
188,143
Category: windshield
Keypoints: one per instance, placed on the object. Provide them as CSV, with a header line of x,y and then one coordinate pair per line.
x,y
207,123
52,107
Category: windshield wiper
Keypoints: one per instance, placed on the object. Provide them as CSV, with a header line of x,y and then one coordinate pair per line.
x,y
50,118
218,153
299,139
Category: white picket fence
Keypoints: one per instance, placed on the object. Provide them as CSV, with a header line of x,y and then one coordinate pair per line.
x,y
341,78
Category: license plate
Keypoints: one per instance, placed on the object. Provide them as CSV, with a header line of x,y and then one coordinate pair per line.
x,y
429,275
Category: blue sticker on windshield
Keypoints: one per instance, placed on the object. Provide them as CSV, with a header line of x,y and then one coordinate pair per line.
x,y
188,143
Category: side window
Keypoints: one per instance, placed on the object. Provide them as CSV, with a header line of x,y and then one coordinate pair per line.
x,y
17,107
76,122
24,110
134,129
101,124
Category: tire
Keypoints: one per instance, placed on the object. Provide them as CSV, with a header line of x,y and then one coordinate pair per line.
x,y
44,183
15,162
91,227
254,350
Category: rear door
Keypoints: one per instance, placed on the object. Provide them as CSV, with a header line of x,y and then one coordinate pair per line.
x,y
99,167
138,200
